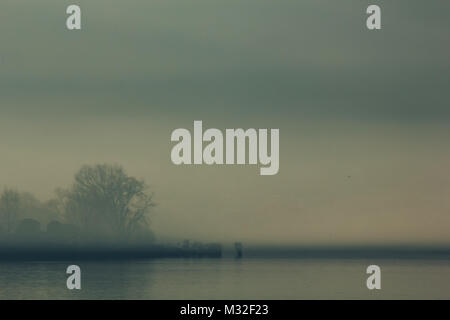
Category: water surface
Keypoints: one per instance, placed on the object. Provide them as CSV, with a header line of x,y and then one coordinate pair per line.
x,y
227,279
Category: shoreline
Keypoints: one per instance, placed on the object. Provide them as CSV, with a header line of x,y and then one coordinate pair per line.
x,y
215,251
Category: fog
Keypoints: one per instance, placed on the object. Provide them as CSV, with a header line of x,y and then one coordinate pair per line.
x,y
363,116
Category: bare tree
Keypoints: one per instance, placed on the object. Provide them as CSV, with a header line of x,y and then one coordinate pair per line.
x,y
9,208
105,198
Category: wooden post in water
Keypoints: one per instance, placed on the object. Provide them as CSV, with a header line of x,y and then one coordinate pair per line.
x,y
238,248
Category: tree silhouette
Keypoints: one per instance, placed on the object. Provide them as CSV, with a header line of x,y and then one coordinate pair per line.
x,y
105,199
9,209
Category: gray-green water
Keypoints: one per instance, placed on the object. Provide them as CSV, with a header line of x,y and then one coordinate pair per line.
x,y
227,279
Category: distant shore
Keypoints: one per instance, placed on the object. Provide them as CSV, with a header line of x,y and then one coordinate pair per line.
x,y
127,252
350,252
105,252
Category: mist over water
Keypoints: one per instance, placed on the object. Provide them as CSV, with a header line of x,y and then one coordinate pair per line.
x,y
363,118
86,176
85,171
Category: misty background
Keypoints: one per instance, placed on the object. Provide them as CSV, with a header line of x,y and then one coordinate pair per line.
x,y
363,115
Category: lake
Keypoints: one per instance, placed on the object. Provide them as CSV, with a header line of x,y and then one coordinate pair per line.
x,y
227,279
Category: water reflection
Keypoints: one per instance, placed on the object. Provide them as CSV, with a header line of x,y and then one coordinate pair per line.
x,y
227,279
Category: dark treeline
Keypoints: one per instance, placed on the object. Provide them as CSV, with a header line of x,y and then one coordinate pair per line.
x,y
104,214
103,205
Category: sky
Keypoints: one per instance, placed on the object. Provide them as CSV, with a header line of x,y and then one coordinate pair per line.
x,y
363,115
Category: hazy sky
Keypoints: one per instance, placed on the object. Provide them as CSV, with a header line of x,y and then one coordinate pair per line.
x,y
363,115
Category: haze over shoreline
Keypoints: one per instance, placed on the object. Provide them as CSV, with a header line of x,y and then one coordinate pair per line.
x,y
363,116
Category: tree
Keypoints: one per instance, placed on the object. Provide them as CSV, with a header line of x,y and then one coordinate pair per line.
x,y
105,199
9,209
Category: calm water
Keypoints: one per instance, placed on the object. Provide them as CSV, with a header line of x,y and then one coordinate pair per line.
x,y
227,279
